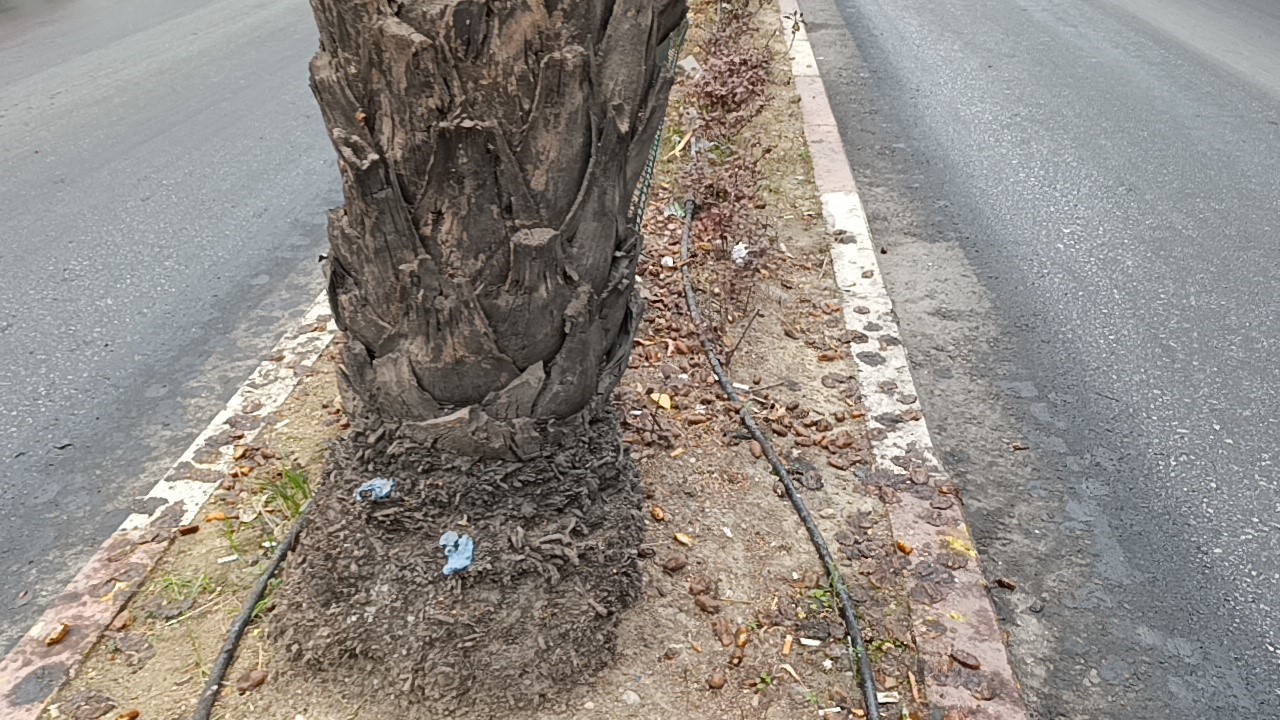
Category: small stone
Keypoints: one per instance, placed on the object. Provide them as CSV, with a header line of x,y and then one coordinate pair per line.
x,y
717,680
983,691
588,705
965,658
629,697
121,621
87,705
1037,606
675,564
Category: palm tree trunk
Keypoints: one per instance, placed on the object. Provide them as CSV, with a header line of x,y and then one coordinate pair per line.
x,y
481,274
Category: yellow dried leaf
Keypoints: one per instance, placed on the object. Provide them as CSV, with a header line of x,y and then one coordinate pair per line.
x,y
663,400
683,539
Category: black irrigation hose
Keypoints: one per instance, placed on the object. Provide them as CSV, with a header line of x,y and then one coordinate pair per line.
x,y
228,652
860,660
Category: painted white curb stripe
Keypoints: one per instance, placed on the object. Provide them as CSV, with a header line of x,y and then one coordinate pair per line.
x,y
263,393
956,614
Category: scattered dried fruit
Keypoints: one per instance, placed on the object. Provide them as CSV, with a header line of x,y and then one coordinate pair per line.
x,y
250,680
717,680
217,516
707,604
129,715
757,451
657,513
699,585
904,548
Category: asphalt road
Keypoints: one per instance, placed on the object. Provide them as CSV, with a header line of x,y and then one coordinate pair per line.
x,y
164,175
1080,203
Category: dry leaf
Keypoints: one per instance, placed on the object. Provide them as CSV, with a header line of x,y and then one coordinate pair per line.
x,y
57,635
663,400
683,539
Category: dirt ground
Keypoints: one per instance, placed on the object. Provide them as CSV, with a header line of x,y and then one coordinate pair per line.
x,y
737,621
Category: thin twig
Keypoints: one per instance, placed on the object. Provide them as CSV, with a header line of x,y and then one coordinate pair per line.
x,y
216,601
728,355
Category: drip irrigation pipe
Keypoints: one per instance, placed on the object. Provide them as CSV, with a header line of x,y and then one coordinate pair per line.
x,y
859,659
228,653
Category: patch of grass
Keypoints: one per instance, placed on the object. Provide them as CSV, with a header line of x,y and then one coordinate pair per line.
x,y
825,598
878,649
233,537
289,493
184,588
268,599
764,682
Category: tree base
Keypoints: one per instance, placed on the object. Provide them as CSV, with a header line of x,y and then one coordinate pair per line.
x,y
366,603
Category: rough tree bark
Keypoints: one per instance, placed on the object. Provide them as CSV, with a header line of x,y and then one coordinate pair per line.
x,y
481,275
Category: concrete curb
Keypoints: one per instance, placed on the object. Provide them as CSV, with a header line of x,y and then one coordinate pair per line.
x,y
966,670
34,670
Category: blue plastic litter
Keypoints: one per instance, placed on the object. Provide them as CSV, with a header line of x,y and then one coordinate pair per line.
x,y
460,549
376,490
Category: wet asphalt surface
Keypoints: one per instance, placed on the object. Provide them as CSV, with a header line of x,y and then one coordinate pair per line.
x,y
164,175
1080,203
